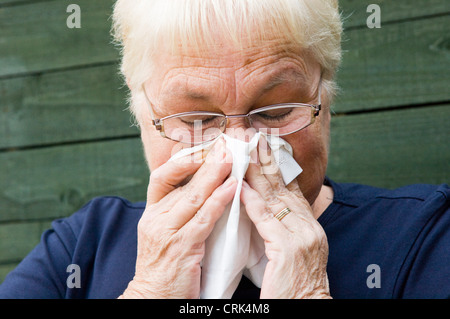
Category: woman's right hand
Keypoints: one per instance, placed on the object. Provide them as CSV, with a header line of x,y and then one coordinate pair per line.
x,y
176,222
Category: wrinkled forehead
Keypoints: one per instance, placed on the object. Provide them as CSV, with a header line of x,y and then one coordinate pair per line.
x,y
226,54
225,74
272,61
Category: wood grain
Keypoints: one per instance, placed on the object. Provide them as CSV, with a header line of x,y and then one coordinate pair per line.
x,y
392,148
26,236
55,107
53,182
355,12
35,37
401,64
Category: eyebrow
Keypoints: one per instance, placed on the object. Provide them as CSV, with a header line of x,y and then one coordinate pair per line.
x,y
283,77
190,94
278,79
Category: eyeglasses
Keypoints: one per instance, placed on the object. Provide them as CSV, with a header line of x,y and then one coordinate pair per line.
x,y
200,127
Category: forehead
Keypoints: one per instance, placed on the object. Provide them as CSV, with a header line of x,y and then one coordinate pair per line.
x,y
232,54
270,61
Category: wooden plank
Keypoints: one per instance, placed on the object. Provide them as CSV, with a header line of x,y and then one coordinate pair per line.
x,y
73,105
35,37
18,239
12,2
391,148
355,12
5,269
400,64
57,181
19,2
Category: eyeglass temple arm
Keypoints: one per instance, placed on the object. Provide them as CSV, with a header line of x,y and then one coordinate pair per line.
x,y
319,99
156,122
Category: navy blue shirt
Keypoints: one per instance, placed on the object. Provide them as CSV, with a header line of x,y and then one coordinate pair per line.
x,y
382,244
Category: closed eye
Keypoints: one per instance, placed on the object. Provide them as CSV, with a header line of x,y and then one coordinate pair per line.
x,y
201,120
274,115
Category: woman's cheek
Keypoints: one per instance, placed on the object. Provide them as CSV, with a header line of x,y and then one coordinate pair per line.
x,y
157,149
311,152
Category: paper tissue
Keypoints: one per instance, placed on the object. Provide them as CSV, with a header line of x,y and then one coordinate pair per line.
x,y
234,247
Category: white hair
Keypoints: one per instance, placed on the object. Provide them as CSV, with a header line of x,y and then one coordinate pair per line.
x,y
141,26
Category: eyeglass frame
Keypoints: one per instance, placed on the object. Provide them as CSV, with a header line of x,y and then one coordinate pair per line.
x,y
159,125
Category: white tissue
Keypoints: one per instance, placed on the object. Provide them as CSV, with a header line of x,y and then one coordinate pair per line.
x,y
234,246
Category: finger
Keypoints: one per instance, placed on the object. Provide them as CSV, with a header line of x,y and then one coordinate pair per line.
x,y
269,182
259,182
167,177
276,195
269,167
209,176
262,216
264,174
202,224
294,188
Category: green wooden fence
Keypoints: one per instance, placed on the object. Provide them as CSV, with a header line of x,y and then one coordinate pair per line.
x,y
65,135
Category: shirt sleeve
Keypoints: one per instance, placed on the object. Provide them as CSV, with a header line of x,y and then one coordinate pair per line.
x,y
42,273
426,271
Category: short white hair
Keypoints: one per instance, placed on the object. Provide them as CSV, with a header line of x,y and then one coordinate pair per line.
x,y
141,26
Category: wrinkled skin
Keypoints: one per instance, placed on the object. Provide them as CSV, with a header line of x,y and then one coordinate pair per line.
x,y
186,198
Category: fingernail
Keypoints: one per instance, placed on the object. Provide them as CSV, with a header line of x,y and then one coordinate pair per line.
x,y
265,153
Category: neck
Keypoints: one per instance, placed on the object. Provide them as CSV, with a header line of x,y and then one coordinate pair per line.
x,y
323,200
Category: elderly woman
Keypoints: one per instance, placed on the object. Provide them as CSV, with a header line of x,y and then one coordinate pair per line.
x,y
200,73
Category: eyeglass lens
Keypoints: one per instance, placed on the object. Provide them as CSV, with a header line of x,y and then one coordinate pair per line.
x,y
199,128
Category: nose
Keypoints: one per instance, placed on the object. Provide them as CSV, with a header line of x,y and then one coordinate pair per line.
x,y
238,127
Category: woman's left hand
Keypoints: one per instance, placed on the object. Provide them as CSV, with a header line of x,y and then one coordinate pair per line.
x,y
296,246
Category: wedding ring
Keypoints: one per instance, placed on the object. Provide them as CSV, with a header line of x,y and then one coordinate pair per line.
x,y
282,213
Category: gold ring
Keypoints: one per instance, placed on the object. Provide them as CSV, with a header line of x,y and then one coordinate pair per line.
x,y
282,213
